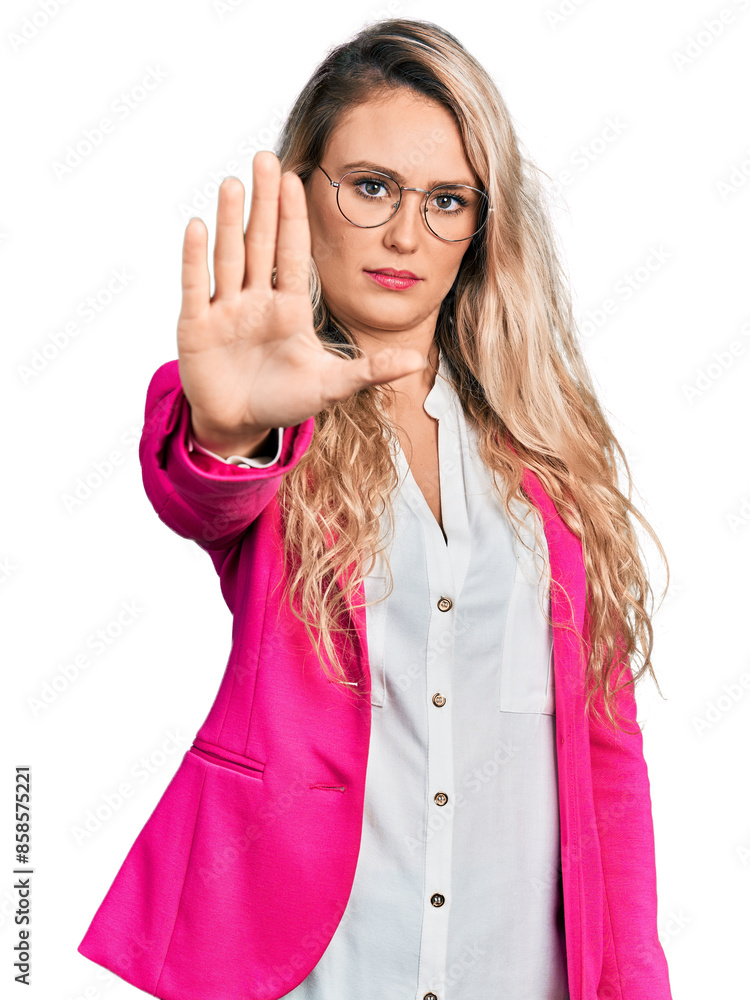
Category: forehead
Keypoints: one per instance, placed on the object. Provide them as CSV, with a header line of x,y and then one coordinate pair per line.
x,y
417,139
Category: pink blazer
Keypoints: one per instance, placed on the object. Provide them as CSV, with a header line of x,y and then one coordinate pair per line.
x,y
239,878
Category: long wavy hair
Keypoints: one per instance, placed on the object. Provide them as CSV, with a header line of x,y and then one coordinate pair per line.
x,y
509,337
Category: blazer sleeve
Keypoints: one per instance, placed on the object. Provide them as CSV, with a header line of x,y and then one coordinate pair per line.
x,y
622,802
197,495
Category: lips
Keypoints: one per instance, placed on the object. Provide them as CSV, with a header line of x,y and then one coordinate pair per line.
x,y
394,274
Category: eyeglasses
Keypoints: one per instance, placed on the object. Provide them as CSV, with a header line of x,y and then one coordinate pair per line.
x,y
369,198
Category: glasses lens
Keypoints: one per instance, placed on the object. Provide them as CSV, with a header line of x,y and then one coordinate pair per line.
x,y
456,212
369,198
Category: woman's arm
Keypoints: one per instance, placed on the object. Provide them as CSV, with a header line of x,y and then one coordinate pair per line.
x,y
196,495
622,803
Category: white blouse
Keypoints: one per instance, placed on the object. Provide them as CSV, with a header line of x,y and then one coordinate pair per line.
x,y
457,893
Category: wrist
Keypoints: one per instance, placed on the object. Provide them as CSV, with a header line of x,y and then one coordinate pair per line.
x,y
247,442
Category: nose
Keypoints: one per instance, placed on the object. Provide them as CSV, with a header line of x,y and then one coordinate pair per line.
x,y
403,226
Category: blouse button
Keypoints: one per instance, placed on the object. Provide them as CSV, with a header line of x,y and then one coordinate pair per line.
x,y
441,798
438,699
430,996
437,899
445,604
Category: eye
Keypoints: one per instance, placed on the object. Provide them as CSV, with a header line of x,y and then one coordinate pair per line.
x,y
365,185
442,202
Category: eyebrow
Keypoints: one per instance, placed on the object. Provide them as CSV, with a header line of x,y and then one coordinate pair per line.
x,y
395,174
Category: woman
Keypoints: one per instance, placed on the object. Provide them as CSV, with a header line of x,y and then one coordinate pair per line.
x,y
422,775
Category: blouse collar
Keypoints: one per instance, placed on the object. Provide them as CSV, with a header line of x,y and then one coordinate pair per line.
x,y
440,396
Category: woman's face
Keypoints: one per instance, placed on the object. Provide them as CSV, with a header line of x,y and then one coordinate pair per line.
x,y
417,141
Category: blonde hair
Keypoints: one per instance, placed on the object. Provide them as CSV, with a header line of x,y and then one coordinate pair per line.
x,y
508,334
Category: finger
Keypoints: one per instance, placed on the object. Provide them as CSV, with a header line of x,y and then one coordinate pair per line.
x,y
293,243
196,280
229,250
260,235
345,377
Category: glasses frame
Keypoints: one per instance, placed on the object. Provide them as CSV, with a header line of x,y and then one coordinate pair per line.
x,y
401,189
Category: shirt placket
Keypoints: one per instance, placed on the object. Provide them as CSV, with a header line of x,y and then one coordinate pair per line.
x,y
445,562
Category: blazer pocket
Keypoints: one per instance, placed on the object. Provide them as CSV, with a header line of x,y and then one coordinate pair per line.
x,y
232,761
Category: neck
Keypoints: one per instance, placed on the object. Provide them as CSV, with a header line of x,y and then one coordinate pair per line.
x,y
412,390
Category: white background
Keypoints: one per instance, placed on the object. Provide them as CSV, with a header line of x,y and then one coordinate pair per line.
x,y
674,179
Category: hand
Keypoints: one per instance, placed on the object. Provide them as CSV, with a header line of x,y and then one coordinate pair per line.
x,y
249,357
